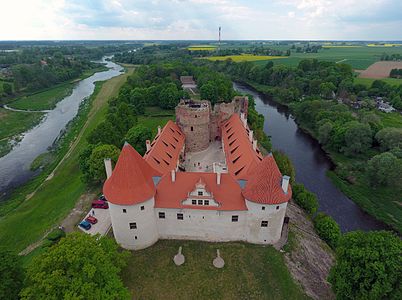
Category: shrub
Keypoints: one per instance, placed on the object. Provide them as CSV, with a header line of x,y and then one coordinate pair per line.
x,y
56,235
307,201
327,229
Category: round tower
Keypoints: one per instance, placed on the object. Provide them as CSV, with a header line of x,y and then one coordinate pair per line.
x,y
130,191
193,118
267,193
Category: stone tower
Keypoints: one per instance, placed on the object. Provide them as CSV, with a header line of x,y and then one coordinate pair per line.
x,y
193,118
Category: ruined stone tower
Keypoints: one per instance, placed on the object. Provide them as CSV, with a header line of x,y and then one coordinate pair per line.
x,y
193,118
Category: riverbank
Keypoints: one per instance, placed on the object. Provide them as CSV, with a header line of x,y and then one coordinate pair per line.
x,y
14,123
360,191
46,200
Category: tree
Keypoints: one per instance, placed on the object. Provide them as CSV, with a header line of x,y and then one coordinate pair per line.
x,y
169,96
389,138
327,90
209,92
105,133
368,266
96,160
358,138
325,132
137,137
285,165
327,229
11,275
7,88
384,169
80,266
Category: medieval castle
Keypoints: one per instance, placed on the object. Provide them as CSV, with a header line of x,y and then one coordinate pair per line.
x,y
202,177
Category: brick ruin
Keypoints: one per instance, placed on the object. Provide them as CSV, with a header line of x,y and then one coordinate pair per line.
x,y
201,124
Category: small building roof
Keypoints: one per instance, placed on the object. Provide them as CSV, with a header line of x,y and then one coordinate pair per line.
x,y
227,194
240,155
131,181
265,184
187,80
165,148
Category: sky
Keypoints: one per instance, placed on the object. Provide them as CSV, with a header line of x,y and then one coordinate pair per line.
x,y
200,19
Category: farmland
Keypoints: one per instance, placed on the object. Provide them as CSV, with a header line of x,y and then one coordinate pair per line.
x,y
202,48
380,69
358,57
246,57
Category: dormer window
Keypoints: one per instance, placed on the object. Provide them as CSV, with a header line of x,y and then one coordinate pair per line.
x,y
200,193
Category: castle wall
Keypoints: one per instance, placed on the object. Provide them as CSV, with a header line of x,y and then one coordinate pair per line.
x,y
206,225
144,235
274,214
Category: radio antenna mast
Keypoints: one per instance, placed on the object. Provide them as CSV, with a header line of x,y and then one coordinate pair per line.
x,y
219,37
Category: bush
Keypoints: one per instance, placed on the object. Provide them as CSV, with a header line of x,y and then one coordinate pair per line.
x,y
56,235
298,188
307,201
327,228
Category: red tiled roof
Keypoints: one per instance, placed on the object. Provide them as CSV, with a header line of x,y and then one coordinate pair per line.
x,y
265,184
165,148
240,156
131,181
171,194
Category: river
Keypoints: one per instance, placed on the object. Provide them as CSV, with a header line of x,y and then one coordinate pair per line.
x,y
15,166
311,164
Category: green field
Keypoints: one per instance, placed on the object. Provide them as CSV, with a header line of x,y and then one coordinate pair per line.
x,y
369,81
25,221
43,100
358,57
250,272
14,123
245,57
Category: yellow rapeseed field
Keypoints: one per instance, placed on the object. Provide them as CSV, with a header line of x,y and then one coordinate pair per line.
x,y
384,45
202,48
244,57
342,46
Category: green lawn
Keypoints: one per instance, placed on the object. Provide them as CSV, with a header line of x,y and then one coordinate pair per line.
x,y
250,272
392,119
55,198
43,100
13,122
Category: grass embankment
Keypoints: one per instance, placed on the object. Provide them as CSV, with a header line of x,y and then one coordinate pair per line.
x,y
250,272
25,220
48,98
384,203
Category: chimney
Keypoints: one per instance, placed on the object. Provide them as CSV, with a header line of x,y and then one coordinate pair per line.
x,y
173,173
250,136
218,178
159,130
285,183
148,143
108,167
243,120
254,145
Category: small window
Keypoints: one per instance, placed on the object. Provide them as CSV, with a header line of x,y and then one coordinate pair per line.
x,y
235,218
263,208
200,193
206,202
277,207
142,207
192,128
200,202
135,237
179,216
133,225
161,215
124,210
194,202
264,223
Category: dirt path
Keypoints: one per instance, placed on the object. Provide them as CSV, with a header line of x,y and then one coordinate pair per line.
x,y
311,259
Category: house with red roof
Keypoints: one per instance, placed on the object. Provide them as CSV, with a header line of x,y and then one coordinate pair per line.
x,y
170,193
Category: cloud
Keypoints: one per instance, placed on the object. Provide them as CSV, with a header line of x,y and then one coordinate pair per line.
x,y
200,19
